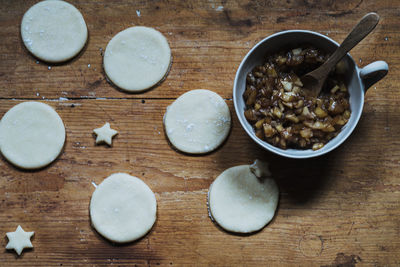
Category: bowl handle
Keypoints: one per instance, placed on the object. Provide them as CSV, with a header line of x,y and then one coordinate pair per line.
x,y
373,72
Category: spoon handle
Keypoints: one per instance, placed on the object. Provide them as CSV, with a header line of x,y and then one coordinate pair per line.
x,y
362,29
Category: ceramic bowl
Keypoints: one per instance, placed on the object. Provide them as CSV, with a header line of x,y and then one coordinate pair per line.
x,y
358,81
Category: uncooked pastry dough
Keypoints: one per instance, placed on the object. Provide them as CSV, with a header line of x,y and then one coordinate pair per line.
x,y
137,58
32,135
19,240
105,134
241,202
197,122
123,208
54,31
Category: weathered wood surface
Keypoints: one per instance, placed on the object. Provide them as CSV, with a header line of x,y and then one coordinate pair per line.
x,y
342,208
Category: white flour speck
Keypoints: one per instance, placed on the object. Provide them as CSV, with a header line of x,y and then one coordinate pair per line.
x,y
184,121
138,13
63,99
219,8
189,127
149,59
386,38
37,94
49,67
28,42
88,65
94,184
224,119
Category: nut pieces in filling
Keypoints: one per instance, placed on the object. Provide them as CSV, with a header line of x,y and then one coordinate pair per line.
x,y
281,112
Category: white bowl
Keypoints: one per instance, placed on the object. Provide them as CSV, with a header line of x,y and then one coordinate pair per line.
x,y
358,81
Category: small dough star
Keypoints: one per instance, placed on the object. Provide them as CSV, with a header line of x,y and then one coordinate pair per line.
x,y
105,134
19,240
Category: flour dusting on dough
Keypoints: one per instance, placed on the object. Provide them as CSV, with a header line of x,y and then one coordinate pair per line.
x,y
137,58
197,122
240,202
53,31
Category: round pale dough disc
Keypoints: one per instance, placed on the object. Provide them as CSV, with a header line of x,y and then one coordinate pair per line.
x,y
137,58
123,208
32,135
197,122
54,31
240,202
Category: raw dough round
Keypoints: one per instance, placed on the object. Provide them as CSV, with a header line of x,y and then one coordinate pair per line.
x,y
137,58
123,208
32,135
54,31
240,202
197,122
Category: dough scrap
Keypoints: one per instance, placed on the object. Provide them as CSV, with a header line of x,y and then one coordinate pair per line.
x,y
105,134
137,58
19,240
240,202
197,122
123,208
54,31
260,169
32,135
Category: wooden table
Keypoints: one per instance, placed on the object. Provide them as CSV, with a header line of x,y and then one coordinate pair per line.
x,y
341,209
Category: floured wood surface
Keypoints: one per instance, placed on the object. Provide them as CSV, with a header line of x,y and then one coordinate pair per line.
x,y
342,208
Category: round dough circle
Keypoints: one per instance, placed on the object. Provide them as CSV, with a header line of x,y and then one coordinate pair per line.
x,y
197,122
32,135
123,208
54,31
137,58
240,202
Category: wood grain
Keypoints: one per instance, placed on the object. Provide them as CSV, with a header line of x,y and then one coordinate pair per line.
x,y
341,209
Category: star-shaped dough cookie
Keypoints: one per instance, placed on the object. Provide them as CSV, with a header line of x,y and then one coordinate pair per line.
x,y
19,240
105,134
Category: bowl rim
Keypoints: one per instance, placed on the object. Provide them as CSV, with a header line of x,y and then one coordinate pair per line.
x,y
288,152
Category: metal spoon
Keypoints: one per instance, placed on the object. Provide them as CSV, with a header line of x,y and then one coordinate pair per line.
x,y
314,80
